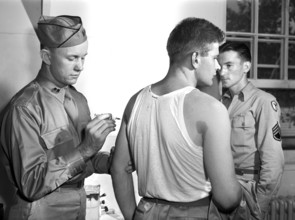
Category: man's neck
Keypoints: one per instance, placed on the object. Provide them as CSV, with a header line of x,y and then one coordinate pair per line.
x,y
236,89
176,78
46,74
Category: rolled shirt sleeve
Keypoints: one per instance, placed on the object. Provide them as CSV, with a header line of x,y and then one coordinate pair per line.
x,y
101,162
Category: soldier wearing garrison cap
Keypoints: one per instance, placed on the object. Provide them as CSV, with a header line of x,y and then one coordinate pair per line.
x,y
50,143
61,31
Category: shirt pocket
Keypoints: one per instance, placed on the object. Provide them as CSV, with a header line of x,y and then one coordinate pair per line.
x,y
243,129
56,137
58,142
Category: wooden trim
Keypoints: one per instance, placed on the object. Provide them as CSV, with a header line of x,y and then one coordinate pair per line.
x,y
274,83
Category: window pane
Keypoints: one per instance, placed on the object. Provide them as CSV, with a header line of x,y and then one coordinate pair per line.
x,y
270,16
269,53
238,15
291,74
245,40
292,17
292,53
268,73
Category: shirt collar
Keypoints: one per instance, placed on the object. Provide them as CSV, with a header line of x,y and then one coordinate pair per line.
x,y
247,91
51,88
244,94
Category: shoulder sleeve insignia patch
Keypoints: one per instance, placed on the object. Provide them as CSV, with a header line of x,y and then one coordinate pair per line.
x,y
274,105
276,131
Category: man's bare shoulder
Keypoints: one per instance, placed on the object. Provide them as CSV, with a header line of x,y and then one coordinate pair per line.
x,y
129,106
204,113
201,102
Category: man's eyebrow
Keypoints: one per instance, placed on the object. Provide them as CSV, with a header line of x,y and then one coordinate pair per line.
x,y
77,55
228,62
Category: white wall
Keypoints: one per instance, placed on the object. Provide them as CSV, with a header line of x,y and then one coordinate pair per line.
x,y
127,43
127,48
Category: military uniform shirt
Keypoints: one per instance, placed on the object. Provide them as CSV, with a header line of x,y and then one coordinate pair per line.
x,y
255,137
40,140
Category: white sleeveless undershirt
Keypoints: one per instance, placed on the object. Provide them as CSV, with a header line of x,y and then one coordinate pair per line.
x,y
169,165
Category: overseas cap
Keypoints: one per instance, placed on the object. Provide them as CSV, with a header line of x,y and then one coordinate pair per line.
x,y
61,31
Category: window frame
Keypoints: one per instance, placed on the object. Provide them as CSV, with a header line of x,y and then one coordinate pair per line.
x,y
255,37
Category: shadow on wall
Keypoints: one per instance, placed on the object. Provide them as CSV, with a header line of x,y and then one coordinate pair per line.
x,y
21,52
34,10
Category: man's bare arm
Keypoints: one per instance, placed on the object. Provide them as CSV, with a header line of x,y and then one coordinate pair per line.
x,y
218,158
208,123
122,180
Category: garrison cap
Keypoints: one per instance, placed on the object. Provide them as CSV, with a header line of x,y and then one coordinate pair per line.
x,y
61,31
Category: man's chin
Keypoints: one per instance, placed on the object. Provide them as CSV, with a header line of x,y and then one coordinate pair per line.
x,y
72,82
204,85
210,83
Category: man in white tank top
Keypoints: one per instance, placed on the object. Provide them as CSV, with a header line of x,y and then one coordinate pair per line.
x,y
177,136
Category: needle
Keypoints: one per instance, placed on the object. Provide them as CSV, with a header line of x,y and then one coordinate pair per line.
x,y
114,118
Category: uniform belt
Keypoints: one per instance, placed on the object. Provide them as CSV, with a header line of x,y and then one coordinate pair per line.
x,y
240,171
202,202
77,185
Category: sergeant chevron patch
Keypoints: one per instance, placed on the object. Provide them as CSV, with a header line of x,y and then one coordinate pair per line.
x,y
276,131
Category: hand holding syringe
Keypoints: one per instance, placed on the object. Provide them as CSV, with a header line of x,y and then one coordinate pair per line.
x,y
96,132
107,116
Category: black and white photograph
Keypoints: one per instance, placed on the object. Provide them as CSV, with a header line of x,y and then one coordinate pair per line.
x,y
147,110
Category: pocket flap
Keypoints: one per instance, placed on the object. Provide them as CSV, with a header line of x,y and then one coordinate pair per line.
x,y
56,137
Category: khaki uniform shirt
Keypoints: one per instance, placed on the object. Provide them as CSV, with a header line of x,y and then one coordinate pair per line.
x,y
255,137
39,141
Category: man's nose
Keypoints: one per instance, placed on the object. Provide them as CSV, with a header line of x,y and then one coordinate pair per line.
x,y
217,66
79,65
221,72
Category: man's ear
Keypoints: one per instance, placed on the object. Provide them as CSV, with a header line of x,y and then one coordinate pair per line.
x,y
45,56
195,60
247,66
